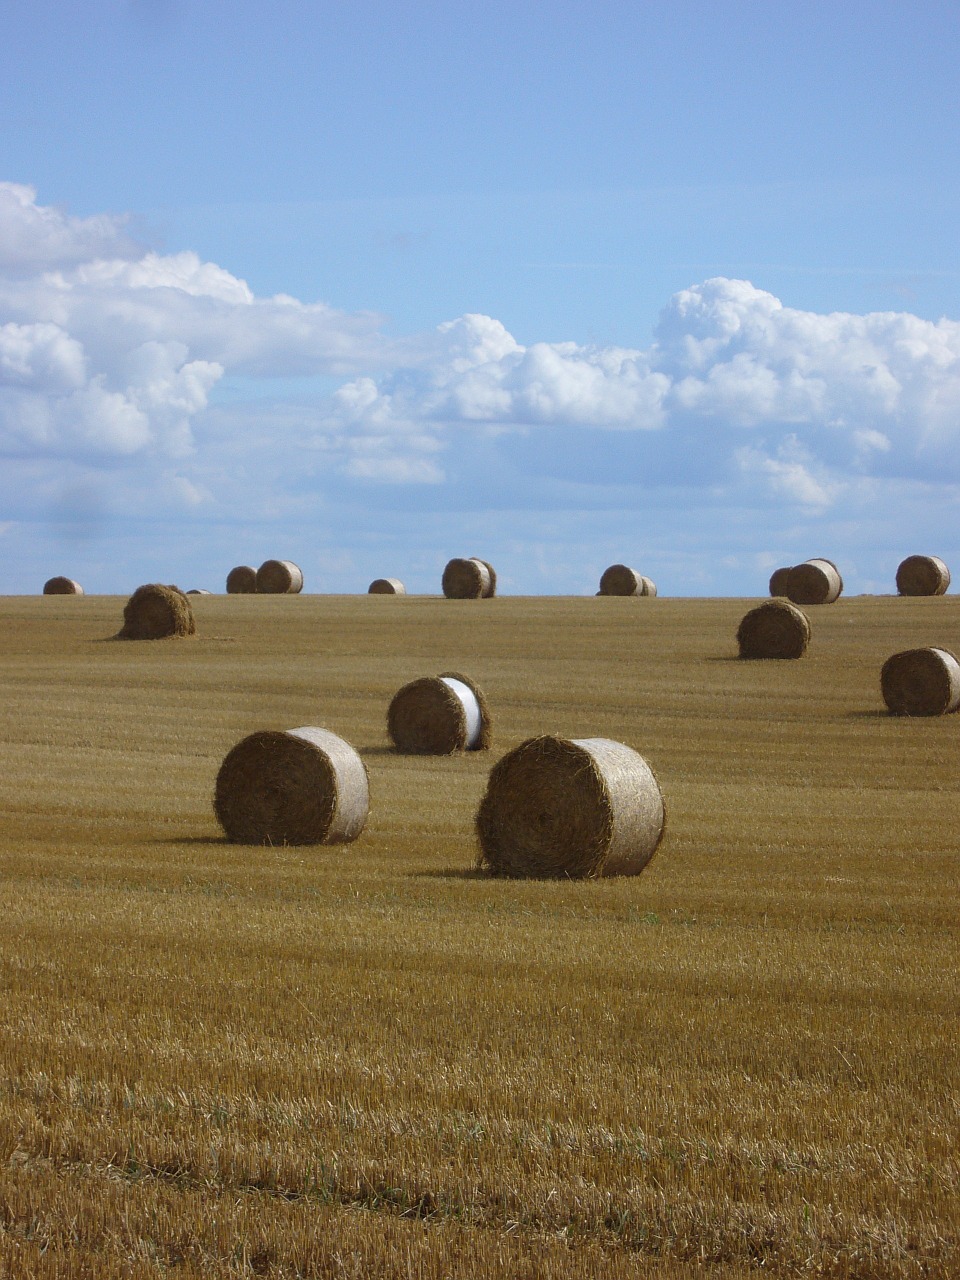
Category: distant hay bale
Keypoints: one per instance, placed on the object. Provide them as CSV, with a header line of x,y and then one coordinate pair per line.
x,y
303,786
775,629
922,576
439,715
491,571
815,581
568,809
921,682
242,581
198,591
620,580
647,586
779,580
62,587
471,579
279,578
386,587
154,612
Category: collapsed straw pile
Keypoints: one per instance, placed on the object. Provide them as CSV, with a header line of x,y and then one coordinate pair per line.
x,y
303,786
568,809
439,715
154,612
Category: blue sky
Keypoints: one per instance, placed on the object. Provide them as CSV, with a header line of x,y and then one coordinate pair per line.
x,y
370,287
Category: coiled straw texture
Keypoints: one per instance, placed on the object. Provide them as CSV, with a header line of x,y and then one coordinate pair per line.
x,y
426,717
154,612
279,578
921,682
922,576
774,629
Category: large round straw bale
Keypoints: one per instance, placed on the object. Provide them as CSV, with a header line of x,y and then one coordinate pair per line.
x,y
304,786
438,715
566,809
279,578
386,587
154,612
492,573
647,586
921,682
779,581
775,629
621,580
922,576
242,581
62,587
467,579
815,581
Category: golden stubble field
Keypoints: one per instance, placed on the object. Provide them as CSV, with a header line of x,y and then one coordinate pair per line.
x,y
368,1060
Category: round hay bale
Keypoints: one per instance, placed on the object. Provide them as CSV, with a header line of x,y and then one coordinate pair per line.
x,y
439,715
922,576
242,581
569,809
154,612
779,581
303,786
921,682
775,629
620,580
467,579
492,588
815,581
198,591
386,587
62,587
279,578
647,587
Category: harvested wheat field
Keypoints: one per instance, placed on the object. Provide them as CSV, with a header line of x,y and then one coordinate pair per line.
x,y
368,1060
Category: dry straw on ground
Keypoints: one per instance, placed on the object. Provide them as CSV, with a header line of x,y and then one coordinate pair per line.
x,y
386,587
921,682
779,580
242,581
470,579
774,629
279,578
62,587
302,786
155,611
440,715
568,809
922,576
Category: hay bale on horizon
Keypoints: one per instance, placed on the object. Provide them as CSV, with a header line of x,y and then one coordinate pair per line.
x,y
439,715
279,578
647,586
242,581
62,587
774,629
469,579
779,580
921,682
816,581
620,580
558,808
155,611
922,576
198,591
300,786
386,587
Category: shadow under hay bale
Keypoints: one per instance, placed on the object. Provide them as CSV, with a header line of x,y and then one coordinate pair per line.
x,y
279,578
558,808
779,581
439,715
921,682
242,581
386,587
470,579
922,576
62,587
815,581
302,786
774,629
155,612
